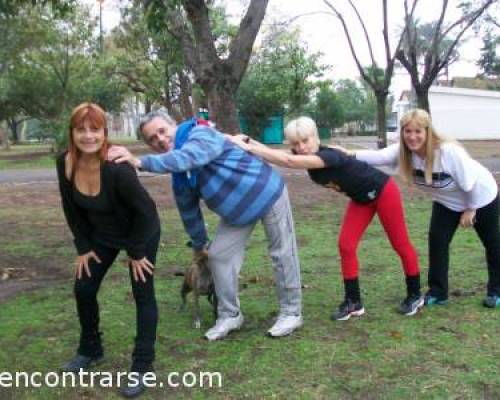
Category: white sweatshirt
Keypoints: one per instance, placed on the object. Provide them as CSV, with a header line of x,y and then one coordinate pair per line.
x,y
458,181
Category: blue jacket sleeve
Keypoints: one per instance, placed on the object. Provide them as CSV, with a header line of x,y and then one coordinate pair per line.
x,y
188,204
204,145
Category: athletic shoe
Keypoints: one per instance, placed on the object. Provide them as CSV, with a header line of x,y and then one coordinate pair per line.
x,y
80,362
430,300
411,304
134,387
347,309
491,301
285,324
223,326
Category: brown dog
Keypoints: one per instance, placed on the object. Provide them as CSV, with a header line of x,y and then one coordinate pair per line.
x,y
198,280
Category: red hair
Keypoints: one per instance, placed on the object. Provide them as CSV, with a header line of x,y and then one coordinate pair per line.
x,y
96,117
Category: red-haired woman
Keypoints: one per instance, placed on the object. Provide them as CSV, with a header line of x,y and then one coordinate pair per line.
x,y
107,210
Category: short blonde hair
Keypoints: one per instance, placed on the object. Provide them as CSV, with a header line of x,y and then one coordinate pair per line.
x,y
301,128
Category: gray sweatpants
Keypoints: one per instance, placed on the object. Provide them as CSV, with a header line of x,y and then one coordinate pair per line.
x,y
226,254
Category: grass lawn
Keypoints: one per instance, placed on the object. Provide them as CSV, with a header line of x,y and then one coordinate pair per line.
x,y
448,352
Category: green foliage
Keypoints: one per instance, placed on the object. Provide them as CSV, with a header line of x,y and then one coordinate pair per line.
x,y
60,69
357,100
144,55
489,62
9,8
327,109
278,79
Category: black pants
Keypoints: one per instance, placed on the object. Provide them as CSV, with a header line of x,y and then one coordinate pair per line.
x,y
444,223
146,310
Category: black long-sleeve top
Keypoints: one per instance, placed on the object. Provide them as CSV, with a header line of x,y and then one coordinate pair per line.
x,y
130,209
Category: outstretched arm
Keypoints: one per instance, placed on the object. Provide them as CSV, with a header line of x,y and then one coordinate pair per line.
x,y
388,156
276,156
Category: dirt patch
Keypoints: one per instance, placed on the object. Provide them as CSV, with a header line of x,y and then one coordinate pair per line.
x,y
482,148
47,224
35,214
22,274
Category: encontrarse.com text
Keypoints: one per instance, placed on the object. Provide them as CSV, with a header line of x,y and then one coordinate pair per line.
x,y
91,379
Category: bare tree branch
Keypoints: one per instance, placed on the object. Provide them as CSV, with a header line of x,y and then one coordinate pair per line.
x,y
473,18
364,75
367,37
241,46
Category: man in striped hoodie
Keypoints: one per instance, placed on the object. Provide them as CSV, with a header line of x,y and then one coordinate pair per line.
x,y
240,188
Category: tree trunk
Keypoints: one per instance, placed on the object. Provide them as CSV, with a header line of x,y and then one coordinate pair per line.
x,y
13,125
220,78
171,109
423,99
184,96
222,109
381,121
4,137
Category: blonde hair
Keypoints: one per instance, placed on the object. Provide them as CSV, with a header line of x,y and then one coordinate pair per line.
x,y
301,128
432,141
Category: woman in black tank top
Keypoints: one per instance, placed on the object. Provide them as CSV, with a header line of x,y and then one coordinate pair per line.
x,y
107,210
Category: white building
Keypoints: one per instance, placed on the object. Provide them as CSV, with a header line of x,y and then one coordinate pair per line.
x,y
465,113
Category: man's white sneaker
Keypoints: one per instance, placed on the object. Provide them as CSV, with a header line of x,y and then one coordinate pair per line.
x,y
223,326
285,324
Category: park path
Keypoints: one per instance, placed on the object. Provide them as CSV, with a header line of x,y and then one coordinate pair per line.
x,y
29,176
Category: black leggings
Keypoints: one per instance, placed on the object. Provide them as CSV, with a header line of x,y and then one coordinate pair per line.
x,y
444,223
146,310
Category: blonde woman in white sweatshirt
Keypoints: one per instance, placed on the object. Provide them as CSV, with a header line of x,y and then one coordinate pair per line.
x,y
463,193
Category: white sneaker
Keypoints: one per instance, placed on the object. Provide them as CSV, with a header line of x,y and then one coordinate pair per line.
x,y
285,324
223,326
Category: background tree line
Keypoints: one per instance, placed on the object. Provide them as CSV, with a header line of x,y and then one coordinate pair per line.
x,y
188,54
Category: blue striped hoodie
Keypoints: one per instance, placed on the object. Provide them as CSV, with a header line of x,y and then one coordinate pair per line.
x,y
236,185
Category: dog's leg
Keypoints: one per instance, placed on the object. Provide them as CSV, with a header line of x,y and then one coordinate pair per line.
x,y
196,311
184,291
212,298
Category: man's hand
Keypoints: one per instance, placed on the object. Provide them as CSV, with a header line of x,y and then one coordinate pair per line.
x,y
468,218
139,267
119,154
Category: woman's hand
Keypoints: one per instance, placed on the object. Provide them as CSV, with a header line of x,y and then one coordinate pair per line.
x,y
139,267
468,218
241,140
82,263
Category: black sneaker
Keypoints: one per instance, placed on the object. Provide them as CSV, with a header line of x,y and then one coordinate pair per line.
x,y
134,387
80,362
348,308
492,301
431,300
411,304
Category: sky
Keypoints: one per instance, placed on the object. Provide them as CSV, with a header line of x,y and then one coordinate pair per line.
x,y
323,32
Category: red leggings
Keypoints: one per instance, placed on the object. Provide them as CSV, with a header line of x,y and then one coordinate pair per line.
x,y
358,216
